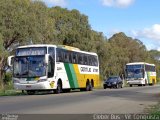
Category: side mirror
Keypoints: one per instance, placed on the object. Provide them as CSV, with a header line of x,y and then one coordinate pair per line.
x,y
46,59
10,61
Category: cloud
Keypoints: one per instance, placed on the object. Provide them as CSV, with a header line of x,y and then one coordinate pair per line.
x,y
150,36
152,33
117,3
51,3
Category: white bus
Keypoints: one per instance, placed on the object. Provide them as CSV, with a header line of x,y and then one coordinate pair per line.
x,y
140,73
51,67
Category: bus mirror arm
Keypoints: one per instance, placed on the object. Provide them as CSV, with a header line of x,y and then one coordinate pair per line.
x,y
46,59
10,61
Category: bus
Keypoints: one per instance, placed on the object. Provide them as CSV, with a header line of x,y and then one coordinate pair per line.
x,y
140,73
58,68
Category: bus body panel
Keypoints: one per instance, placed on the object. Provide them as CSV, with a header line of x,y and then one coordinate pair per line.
x,y
72,77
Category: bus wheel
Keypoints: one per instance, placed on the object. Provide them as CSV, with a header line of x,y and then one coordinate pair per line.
x,y
59,88
130,85
30,92
90,86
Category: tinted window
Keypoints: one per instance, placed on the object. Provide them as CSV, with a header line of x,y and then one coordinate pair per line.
x,y
59,55
134,66
112,79
66,56
95,61
85,59
149,68
74,58
90,60
51,51
80,58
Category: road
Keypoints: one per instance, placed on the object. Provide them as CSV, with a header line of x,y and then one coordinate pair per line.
x,y
125,100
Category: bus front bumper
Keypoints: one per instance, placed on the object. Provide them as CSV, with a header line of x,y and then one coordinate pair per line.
x,y
37,86
135,82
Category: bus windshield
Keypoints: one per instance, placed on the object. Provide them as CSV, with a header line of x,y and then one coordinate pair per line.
x,y
135,73
29,66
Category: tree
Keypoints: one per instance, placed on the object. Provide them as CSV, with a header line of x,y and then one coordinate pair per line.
x,y
71,28
124,49
22,21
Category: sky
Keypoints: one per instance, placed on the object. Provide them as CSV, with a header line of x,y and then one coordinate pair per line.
x,y
138,19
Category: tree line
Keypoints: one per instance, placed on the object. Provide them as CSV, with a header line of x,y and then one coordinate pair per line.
x,y
22,21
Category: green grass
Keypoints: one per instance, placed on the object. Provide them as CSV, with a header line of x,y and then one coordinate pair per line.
x,y
155,109
155,112
10,93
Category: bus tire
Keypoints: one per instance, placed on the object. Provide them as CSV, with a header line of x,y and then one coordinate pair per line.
x,y
90,86
82,89
59,87
87,87
130,85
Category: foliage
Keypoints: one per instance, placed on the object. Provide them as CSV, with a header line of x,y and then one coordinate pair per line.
x,y
8,78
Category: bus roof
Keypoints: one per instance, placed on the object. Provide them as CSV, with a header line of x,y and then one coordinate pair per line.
x,y
74,49
58,46
139,63
37,45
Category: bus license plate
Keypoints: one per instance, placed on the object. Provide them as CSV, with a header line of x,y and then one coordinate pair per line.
x,y
28,86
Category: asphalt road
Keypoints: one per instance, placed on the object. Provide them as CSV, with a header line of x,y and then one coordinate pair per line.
x,y
125,100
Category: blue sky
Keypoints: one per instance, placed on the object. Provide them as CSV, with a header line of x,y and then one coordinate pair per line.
x,y
136,18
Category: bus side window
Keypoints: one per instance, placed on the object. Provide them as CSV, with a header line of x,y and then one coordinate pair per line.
x,y
66,56
85,59
57,55
90,60
80,60
70,57
51,51
95,61
74,58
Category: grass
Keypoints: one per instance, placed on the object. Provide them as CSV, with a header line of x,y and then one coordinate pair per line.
x,y
155,110
10,93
